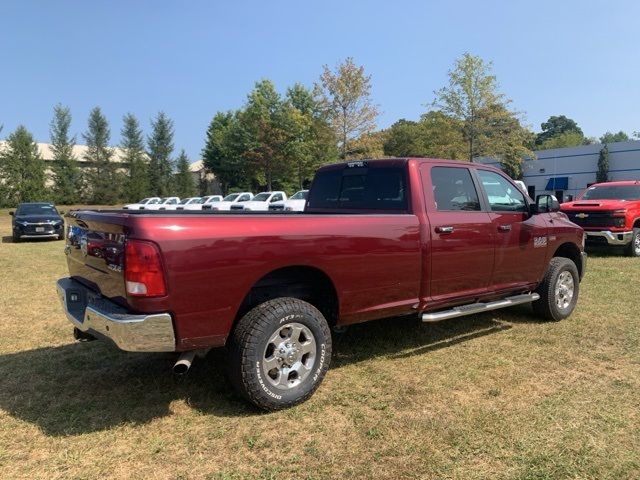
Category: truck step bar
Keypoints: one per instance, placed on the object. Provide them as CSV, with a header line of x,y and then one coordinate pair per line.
x,y
473,308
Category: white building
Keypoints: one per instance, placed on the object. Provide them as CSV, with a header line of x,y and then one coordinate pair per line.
x,y
79,151
568,171
204,181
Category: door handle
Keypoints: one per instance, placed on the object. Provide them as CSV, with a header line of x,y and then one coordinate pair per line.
x,y
444,230
504,228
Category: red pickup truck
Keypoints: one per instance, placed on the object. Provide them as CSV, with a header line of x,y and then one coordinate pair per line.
x,y
436,239
610,214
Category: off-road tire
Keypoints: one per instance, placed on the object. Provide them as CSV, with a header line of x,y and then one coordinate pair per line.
x,y
633,249
249,340
547,306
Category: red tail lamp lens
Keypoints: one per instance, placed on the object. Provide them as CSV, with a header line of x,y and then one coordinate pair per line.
x,y
143,270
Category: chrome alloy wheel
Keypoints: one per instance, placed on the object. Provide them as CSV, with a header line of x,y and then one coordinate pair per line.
x,y
289,356
564,289
636,244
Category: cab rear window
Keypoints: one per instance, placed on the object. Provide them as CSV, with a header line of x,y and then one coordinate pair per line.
x,y
360,188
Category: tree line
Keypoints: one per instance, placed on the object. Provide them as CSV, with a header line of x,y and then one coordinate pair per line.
x,y
277,140
145,166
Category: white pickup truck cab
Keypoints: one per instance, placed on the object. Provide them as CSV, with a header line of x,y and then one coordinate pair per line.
x,y
166,202
141,203
183,203
296,202
229,200
199,204
261,202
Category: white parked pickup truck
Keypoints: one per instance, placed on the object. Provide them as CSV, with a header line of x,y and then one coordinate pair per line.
x,y
166,202
183,203
208,200
261,202
296,202
141,203
228,201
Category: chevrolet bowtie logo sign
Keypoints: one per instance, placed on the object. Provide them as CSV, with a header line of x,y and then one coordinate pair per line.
x,y
582,215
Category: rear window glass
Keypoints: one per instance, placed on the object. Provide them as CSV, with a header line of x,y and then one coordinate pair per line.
x,y
358,188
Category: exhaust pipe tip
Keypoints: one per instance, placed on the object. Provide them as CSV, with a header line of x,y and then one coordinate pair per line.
x,y
182,366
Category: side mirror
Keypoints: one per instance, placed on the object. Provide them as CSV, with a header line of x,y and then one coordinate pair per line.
x,y
546,204
11,213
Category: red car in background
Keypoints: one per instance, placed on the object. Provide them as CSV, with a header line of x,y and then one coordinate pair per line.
x,y
610,214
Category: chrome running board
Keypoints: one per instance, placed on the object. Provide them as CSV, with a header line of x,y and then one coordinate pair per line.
x,y
473,308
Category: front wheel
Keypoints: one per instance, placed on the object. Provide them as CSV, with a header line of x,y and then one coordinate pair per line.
x,y
558,291
279,353
633,249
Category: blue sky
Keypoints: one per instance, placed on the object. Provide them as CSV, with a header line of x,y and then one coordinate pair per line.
x,y
193,58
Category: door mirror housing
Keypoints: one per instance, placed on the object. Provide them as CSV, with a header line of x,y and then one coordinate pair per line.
x,y
546,204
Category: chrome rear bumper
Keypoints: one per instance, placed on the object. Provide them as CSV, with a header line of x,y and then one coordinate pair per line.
x,y
92,313
612,238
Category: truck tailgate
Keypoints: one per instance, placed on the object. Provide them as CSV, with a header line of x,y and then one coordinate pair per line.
x,y
95,253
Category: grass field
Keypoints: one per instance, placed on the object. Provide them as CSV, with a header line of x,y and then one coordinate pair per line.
x,y
497,395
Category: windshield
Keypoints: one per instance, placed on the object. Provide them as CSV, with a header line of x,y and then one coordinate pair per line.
x,y
184,201
144,200
230,198
302,195
262,197
612,192
36,210
155,201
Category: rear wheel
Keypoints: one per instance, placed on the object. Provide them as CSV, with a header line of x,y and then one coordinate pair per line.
x,y
558,291
279,353
633,249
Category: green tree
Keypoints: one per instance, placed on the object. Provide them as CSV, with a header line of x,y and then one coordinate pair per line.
x,y
435,135
102,178
136,184
405,138
488,126
265,121
614,137
558,126
223,153
345,94
311,140
159,149
183,178
570,138
603,165
67,176
21,169
443,137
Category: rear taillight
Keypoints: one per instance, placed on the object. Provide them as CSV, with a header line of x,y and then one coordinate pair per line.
x,y
143,270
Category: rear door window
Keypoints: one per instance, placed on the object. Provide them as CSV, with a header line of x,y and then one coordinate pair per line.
x,y
453,189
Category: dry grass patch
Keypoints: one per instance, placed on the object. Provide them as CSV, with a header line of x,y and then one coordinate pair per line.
x,y
490,396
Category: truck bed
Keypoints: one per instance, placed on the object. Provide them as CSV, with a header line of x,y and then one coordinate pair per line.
x,y
211,260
